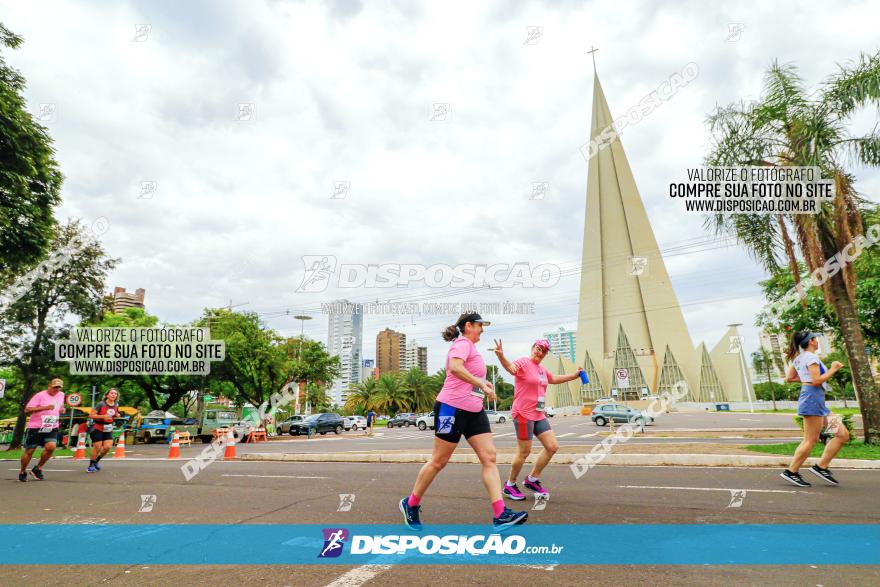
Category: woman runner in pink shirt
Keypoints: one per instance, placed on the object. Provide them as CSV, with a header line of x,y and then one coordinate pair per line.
x,y
459,412
529,419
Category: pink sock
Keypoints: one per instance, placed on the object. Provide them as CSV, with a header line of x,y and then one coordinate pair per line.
x,y
498,507
413,500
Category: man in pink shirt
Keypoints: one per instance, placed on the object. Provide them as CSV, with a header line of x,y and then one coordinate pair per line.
x,y
529,418
44,411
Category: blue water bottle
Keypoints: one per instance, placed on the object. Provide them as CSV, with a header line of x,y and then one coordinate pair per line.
x,y
584,378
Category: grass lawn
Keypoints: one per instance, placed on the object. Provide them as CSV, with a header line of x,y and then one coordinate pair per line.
x,y
854,450
840,411
16,454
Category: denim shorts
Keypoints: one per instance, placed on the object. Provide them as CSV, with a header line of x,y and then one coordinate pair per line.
x,y
811,402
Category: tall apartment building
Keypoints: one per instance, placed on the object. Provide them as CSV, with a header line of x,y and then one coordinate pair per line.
x,y
390,351
775,345
120,299
345,333
368,369
416,356
562,343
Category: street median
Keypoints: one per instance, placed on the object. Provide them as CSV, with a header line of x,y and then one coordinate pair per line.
x,y
632,460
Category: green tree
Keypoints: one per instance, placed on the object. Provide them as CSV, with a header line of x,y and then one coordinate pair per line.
x,y
30,181
72,286
418,386
789,126
362,397
391,396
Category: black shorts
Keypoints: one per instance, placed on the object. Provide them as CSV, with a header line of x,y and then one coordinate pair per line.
x,y
450,423
99,436
34,438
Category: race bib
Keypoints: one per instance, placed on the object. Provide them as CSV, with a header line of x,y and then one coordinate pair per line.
x,y
477,392
108,427
49,423
540,406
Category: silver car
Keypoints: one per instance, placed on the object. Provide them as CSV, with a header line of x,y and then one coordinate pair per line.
x,y
355,423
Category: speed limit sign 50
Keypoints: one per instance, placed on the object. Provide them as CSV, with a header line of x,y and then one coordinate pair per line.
x,y
74,399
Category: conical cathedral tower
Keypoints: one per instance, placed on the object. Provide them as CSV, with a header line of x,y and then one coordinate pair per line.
x,y
628,316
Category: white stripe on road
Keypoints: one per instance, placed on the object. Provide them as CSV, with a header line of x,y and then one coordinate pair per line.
x,y
591,435
709,489
502,435
566,434
275,476
48,470
358,576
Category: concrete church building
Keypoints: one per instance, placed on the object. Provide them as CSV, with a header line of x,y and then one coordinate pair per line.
x,y
629,317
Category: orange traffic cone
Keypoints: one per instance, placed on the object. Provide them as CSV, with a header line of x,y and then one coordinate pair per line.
x,y
119,453
229,454
174,453
80,446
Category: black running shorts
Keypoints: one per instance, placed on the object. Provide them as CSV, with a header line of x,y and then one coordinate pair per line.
x,y
450,423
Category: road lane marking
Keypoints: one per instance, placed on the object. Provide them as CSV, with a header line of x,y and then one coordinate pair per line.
x,y
47,470
502,435
275,476
590,435
566,434
358,576
708,489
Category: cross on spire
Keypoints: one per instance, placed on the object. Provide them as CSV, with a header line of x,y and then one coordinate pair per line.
x,y
592,52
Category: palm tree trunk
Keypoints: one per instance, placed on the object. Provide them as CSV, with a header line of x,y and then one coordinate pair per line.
x,y
854,343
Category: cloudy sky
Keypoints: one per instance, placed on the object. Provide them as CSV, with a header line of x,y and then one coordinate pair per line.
x,y
344,91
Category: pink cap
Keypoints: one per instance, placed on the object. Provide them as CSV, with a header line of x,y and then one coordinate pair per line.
x,y
543,343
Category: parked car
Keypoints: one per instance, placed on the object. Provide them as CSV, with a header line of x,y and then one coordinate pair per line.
x,y
400,420
355,423
550,411
426,421
320,423
284,427
413,418
618,413
498,417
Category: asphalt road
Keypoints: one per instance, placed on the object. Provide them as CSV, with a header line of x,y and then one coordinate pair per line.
x,y
242,492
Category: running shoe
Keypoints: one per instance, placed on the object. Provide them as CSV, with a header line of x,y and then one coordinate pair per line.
x,y
98,466
513,492
536,487
824,474
508,519
92,469
37,473
794,478
410,514
22,477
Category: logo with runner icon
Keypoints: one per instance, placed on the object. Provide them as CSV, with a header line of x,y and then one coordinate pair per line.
x,y
334,540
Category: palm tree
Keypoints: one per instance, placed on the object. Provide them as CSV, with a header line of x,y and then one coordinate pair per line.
x,y
391,396
762,361
790,127
418,386
362,397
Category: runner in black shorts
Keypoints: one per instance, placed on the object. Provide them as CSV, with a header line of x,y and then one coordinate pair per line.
x,y
459,412
43,412
102,434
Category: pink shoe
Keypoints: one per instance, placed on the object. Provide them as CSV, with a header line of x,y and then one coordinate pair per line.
x,y
536,487
513,492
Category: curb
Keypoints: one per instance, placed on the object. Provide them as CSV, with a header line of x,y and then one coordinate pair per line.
x,y
644,460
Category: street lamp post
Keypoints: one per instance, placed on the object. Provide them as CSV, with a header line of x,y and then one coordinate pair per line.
x,y
742,364
302,322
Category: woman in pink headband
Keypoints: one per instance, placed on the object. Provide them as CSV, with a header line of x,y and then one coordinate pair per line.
x,y
529,417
